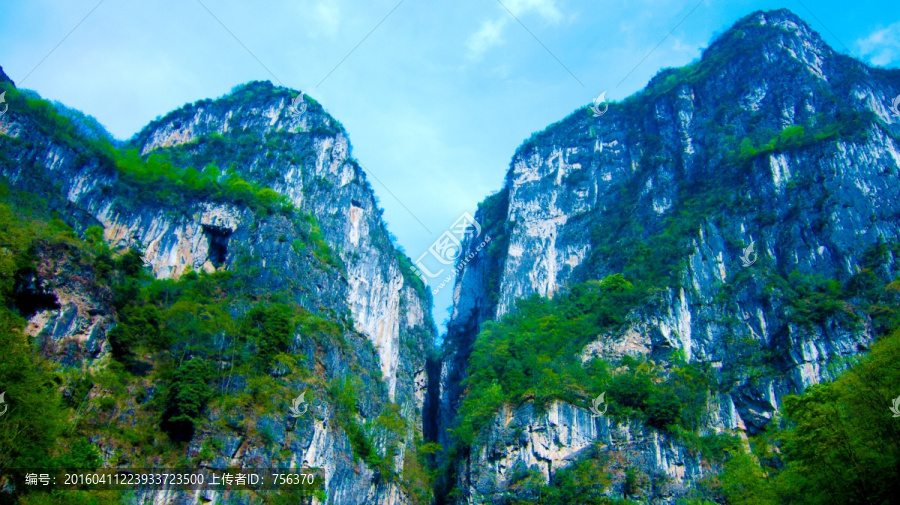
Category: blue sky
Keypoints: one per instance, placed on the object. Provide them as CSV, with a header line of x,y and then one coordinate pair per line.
x,y
436,99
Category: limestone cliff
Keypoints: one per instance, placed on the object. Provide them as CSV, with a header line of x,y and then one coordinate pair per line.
x,y
324,247
773,154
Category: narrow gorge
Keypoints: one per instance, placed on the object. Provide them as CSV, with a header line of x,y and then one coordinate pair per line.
x,y
662,283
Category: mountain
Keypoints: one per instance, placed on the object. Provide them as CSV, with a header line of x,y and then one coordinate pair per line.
x,y
186,288
662,277
689,298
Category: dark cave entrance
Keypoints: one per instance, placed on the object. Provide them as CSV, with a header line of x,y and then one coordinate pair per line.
x,y
30,297
217,237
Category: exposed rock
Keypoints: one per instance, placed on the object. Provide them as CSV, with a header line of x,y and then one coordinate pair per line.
x,y
813,207
362,288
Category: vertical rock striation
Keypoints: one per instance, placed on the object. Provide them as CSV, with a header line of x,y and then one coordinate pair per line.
x,y
772,140
333,255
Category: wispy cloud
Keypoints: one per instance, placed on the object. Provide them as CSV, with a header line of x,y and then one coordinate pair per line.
x,y
547,9
881,47
327,16
490,33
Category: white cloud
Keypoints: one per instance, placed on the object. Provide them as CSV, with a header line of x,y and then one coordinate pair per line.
x,y
545,8
881,47
490,33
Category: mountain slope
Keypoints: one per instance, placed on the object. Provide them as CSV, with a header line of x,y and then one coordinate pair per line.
x,y
268,273
307,158
771,141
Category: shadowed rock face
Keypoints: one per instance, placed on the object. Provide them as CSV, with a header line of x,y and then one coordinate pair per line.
x,y
714,140
217,243
305,157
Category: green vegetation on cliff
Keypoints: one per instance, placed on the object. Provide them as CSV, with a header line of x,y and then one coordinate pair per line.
x,y
201,369
157,180
836,443
183,353
35,433
533,355
151,179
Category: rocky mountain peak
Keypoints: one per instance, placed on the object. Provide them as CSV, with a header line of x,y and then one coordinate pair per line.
x,y
786,23
255,195
258,108
770,40
771,161
5,78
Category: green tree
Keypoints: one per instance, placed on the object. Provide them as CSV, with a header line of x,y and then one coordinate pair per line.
x,y
663,409
132,263
138,325
187,396
842,444
93,235
837,443
33,421
82,455
745,483
272,328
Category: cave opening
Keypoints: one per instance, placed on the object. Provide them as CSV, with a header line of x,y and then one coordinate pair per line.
x,y
217,238
30,297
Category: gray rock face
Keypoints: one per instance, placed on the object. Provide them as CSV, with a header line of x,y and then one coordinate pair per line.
x,y
521,440
72,322
584,189
306,156
303,156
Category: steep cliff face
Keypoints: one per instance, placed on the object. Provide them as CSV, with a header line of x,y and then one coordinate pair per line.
x,y
365,327
522,443
70,311
773,142
306,156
